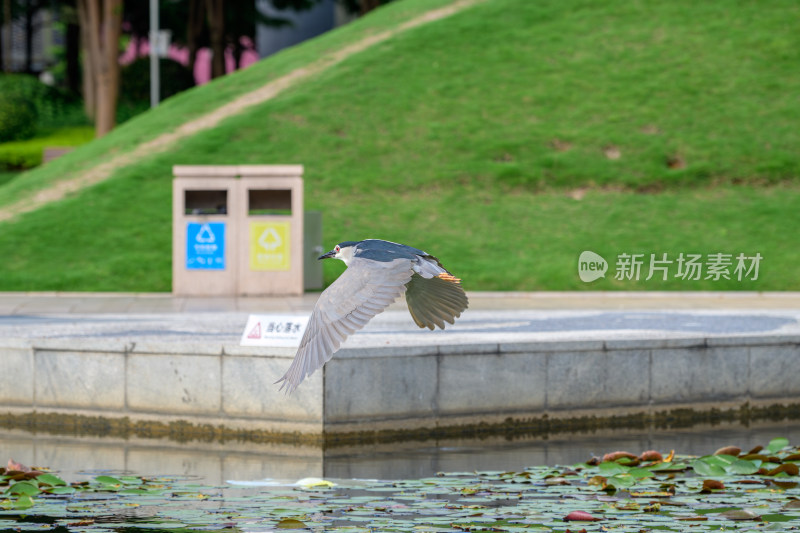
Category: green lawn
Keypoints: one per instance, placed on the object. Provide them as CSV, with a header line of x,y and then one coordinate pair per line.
x,y
519,241
7,175
469,137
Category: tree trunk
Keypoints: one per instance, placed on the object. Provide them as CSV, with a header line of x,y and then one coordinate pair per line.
x,y
73,55
108,92
104,21
7,45
89,97
368,5
106,115
216,23
237,52
29,11
2,42
193,30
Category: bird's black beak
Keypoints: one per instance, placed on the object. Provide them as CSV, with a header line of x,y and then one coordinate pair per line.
x,y
326,256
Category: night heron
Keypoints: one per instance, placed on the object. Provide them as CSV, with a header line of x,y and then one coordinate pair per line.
x,y
377,273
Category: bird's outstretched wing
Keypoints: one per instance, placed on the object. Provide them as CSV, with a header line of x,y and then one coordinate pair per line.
x,y
365,289
436,300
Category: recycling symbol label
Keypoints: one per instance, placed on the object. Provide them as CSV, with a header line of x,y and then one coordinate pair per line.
x,y
270,240
205,235
205,246
269,245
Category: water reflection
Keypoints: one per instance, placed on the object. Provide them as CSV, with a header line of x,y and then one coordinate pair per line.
x,y
218,462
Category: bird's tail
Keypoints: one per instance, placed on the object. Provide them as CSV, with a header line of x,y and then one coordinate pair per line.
x,y
430,267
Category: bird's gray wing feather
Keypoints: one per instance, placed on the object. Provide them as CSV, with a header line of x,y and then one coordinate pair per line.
x,y
436,300
365,289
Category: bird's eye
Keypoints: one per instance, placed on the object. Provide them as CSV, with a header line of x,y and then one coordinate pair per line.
x,y
337,248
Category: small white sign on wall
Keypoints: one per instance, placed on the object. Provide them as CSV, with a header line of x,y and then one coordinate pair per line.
x,y
281,331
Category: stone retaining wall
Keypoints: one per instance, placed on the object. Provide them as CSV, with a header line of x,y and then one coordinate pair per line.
x,y
395,389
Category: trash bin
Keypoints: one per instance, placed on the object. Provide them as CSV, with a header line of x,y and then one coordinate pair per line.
x,y
203,233
237,230
271,236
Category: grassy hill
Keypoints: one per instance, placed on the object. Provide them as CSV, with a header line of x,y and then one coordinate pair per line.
x,y
506,139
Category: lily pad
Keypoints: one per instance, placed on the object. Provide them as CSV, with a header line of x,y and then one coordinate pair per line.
x,y
743,467
24,501
777,444
291,523
790,469
706,469
108,480
739,514
50,479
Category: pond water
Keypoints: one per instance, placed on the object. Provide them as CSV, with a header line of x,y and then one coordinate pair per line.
x,y
100,485
217,463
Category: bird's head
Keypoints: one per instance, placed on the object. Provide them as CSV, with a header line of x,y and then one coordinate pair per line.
x,y
343,251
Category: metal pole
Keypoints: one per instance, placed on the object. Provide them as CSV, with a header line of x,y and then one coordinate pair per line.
x,y
155,82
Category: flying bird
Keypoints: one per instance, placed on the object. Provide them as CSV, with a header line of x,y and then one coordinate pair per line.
x,y
378,272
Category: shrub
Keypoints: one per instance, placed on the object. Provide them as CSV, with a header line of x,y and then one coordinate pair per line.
x,y
135,88
17,118
134,95
51,104
18,155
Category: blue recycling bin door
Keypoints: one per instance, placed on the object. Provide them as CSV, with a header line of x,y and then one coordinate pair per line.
x,y
204,259
205,245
